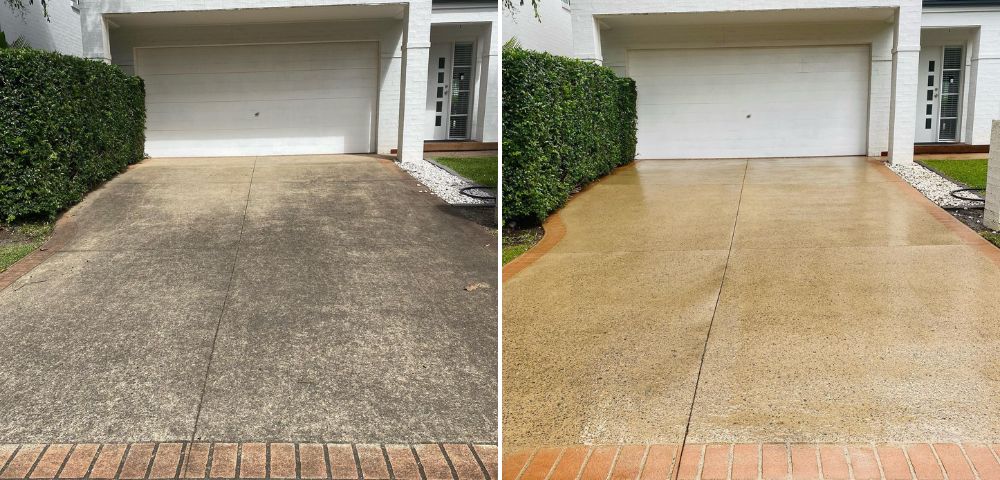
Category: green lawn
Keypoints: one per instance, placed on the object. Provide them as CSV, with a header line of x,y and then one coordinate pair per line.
x,y
517,242
482,170
18,241
968,172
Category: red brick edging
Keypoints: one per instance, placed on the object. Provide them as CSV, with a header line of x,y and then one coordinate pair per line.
x,y
721,461
62,232
248,460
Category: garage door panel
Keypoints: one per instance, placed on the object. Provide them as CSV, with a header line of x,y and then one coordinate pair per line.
x,y
307,114
756,102
241,58
260,85
259,99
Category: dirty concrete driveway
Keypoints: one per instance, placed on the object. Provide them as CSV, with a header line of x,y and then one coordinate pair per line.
x,y
772,300
315,298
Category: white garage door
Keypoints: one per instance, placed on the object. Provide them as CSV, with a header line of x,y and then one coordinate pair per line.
x,y
259,99
751,102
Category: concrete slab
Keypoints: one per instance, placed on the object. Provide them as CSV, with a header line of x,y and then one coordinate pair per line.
x,y
611,218
328,292
853,345
851,311
607,350
109,346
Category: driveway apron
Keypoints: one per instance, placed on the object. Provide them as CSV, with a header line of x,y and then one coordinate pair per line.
x,y
313,298
770,300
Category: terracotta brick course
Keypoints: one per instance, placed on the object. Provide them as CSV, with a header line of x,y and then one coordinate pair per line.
x,y
147,460
951,461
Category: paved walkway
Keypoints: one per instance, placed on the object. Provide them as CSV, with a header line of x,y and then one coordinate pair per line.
x,y
286,299
774,300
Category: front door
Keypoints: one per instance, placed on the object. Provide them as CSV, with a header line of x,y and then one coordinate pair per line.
x,y
438,84
449,90
939,95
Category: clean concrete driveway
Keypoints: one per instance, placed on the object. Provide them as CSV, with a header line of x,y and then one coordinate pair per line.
x,y
771,300
314,298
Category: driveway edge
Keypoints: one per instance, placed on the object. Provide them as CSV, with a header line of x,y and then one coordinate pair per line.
x,y
63,230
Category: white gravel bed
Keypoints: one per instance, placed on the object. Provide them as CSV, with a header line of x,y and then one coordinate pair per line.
x,y
935,187
443,183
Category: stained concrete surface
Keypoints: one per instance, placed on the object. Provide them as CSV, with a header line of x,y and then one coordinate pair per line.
x,y
844,311
273,298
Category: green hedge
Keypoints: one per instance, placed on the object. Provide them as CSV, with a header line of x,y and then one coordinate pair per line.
x,y
66,125
566,123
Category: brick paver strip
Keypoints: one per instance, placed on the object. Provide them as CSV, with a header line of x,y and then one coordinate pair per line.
x,y
924,463
372,462
488,456
863,463
834,463
514,463
22,462
79,461
716,463
108,461
195,463
312,461
282,460
745,459
464,462
953,460
433,461
568,465
53,458
253,460
600,462
629,462
659,462
137,461
146,460
342,463
972,460
541,462
983,460
894,463
774,462
804,466
166,460
690,461
404,464
224,457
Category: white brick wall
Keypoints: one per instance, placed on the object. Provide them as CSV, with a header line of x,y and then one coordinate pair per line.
x,y
991,216
550,32
60,33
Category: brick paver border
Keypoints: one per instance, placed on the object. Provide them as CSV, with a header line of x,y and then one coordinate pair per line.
x,y
769,461
127,461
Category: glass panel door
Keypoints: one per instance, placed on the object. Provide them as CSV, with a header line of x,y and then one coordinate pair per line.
x,y
461,92
951,88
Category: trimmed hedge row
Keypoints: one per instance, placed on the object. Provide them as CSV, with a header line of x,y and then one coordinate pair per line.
x,y
566,123
67,124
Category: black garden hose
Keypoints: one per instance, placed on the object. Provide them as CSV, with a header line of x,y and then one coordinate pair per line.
x,y
465,191
967,199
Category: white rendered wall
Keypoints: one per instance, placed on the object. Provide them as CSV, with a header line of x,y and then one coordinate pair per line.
x,y
551,32
60,33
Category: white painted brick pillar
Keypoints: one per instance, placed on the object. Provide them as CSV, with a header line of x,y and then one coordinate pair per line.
x,y
94,32
413,84
586,32
991,216
902,104
489,89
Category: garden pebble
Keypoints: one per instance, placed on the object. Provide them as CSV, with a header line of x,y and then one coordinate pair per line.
x,y
935,187
442,183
